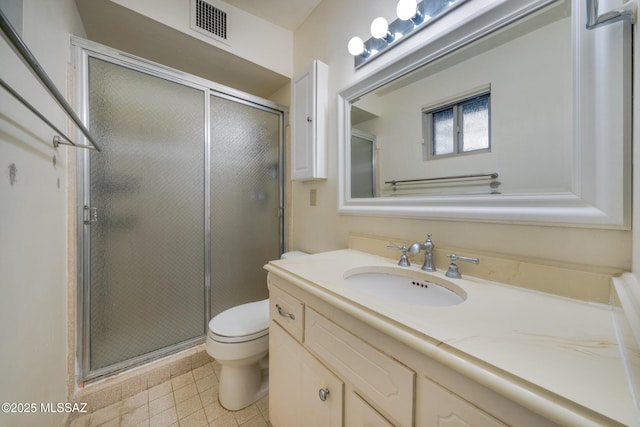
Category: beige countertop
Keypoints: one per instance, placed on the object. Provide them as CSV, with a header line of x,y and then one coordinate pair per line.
x,y
555,355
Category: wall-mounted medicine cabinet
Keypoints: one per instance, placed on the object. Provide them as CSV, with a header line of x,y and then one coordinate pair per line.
x,y
309,98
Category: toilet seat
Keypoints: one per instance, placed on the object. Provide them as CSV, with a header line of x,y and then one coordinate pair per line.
x,y
242,323
244,338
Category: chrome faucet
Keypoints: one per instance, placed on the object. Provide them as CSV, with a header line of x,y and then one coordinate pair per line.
x,y
428,254
427,246
404,261
453,267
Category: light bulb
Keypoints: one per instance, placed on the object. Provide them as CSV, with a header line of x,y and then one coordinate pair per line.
x,y
356,46
406,9
379,28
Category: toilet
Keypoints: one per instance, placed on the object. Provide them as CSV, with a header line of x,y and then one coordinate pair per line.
x,y
238,339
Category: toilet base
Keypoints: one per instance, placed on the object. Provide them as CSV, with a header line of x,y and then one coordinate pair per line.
x,y
242,386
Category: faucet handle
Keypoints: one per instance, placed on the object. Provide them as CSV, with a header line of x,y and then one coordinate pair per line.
x,y
404,261
453,267
454,257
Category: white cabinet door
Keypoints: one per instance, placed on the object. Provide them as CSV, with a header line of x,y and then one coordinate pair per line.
x,y
284,378
309,92
323,394
302,391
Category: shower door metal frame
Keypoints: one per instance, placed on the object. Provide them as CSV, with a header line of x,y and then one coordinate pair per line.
x,y
82,50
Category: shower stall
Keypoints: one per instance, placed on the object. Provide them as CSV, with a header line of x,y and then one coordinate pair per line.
x,y
178,213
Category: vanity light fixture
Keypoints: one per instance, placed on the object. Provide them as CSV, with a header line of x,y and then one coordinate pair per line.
x,y
380,30
356,47
408,10
413,15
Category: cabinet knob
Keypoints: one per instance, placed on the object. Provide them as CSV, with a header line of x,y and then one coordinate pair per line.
x,y
309,119
323,393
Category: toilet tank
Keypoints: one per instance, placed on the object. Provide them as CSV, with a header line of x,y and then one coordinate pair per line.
x,y
292,254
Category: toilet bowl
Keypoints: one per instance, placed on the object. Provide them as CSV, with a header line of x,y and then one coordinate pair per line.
x,y
238,339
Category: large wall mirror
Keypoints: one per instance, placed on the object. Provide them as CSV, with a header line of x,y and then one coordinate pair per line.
x,y
516,113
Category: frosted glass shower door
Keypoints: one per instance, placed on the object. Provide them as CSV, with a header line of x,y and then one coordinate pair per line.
x,y
246,199
146,194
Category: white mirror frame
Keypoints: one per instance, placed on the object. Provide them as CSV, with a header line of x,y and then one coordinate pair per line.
x,y
601,187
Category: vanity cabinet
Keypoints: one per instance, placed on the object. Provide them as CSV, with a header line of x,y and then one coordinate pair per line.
x,y
300,384
381,379
309,103
314,364
327,368
302,391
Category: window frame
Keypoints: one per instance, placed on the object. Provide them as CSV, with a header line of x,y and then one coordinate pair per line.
x,y
455,103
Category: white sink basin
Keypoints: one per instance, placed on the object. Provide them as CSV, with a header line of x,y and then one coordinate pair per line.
x,y
405,288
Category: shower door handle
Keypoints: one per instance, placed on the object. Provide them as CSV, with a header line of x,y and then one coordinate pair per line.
x,y
90,215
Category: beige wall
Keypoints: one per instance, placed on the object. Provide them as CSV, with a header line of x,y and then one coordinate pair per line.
x,y
324,36
33,218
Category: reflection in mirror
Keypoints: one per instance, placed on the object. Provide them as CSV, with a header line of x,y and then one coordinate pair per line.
x,y
525,70
363,164
554,145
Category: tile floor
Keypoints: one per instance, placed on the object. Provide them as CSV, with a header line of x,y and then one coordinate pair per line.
x,y
188,400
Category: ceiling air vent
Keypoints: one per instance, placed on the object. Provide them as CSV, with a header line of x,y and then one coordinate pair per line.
x,y
208,19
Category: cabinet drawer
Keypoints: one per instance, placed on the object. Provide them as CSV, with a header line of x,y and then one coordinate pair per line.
x,y
381,380
287,311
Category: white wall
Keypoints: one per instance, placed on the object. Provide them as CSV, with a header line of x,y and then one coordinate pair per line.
x,y
33,219
320,228
249,37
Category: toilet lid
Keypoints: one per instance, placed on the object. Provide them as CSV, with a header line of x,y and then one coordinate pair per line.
x,y
242,321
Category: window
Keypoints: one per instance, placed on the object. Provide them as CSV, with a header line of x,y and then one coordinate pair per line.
x,y
458,127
